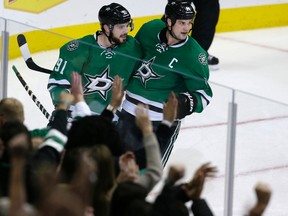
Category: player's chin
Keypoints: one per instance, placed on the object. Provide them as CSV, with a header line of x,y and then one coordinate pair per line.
x,y
184,35
123,40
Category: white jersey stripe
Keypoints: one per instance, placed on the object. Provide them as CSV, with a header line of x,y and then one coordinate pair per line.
x,y
58,82
144,100
130,108
205,99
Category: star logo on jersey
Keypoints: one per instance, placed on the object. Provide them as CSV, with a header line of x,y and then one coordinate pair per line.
x,y
145,71
99,83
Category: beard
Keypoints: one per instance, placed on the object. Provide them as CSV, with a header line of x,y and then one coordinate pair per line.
x,y
118,41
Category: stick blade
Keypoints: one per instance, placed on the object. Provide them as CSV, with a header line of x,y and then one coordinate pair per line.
x,y
23,46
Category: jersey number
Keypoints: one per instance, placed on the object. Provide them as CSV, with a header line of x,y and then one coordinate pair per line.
x,y
60,65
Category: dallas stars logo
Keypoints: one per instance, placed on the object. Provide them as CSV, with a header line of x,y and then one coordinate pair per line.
x,y
99,83
145,71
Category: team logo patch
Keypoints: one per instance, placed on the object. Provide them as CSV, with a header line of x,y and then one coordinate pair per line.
x,y
100,83
145,72
202,59
73,45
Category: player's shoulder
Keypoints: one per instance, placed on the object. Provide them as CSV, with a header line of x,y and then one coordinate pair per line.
x,y
80,43
194,43
194,52
150,29
130,42
130,39
88,38
131,45
156,23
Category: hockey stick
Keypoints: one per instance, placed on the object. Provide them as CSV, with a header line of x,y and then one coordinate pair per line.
x,y
30,93
22,43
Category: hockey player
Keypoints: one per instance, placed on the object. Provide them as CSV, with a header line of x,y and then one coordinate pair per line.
x,y
173,62
204,26
98,58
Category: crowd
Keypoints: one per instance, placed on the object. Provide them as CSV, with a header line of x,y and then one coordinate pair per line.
x,y
84,171
83,166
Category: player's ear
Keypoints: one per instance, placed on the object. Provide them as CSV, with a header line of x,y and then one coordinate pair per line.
x,y
169,22
106,29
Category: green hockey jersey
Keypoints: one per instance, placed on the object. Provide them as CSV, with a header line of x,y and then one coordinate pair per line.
x,y
97,66
179,68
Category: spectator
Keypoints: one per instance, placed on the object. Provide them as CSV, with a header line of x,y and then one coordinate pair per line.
x,y
263,194
129,170
16,204
172,199
11,109
7,133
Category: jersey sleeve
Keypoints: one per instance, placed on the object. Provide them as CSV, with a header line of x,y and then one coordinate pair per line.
x,y
197,83
72,57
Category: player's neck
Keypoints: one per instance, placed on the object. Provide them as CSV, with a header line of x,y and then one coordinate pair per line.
x,y
103,41
171,40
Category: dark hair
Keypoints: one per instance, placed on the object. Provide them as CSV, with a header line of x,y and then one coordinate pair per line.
x,y
9,130
127,198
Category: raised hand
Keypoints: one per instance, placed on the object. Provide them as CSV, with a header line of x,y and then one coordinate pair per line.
x,y
129,170
176,172
117,92
76,87
19,146
195,186
170,108
142,119
263,193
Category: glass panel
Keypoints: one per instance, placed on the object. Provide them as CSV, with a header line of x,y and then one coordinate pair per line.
x,y
2,29
261,152
261,134
202,139
43,46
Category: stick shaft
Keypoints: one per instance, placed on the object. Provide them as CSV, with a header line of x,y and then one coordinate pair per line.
x,y
30,93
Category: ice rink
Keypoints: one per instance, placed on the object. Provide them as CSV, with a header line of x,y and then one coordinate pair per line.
x,y
255,65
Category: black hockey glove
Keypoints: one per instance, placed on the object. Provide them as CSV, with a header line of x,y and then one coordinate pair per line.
x,y
186,104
